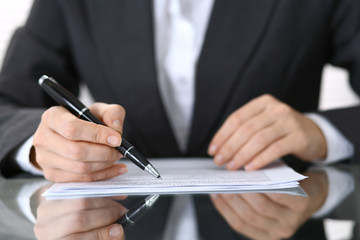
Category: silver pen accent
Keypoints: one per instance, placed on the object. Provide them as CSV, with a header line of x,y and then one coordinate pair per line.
x,y
150,169
135,213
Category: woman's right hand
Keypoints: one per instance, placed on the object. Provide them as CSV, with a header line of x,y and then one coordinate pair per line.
x,y
69,149
87,218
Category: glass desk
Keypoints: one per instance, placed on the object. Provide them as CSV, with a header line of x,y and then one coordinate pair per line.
x,y
22,208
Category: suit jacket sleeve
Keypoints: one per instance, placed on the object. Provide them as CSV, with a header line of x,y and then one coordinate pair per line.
x,y
344,51
40,47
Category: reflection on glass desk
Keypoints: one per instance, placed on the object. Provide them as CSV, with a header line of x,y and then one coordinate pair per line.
x,y
255,215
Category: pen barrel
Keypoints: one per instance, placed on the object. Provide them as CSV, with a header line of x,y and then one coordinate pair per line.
x,y
126,222
62,96
126,149
129,152
133,215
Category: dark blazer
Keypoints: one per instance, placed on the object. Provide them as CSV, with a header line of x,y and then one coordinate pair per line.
x,y
252,47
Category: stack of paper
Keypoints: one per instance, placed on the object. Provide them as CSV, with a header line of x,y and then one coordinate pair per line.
x,y
186,176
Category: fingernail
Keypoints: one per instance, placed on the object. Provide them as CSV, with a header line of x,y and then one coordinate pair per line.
x,y
219,159
231,165
115,231
123,170
115,141
117,124
212,149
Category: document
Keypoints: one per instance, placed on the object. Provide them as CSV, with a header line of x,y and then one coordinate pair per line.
x,y
183,176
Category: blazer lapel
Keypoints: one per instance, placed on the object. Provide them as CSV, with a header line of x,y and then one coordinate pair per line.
x,y
234,32
123,35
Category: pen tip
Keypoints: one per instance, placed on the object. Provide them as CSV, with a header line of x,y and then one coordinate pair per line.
x,y
159,177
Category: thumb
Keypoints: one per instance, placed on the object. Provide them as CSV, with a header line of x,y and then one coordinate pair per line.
x,y
112,115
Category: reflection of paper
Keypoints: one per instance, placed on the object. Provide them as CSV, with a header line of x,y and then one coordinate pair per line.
x,y
184,176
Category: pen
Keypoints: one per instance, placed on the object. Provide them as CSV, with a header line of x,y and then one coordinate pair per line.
x,y
71,103
137,211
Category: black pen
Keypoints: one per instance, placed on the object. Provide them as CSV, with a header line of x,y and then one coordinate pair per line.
x,y
137,211
71,103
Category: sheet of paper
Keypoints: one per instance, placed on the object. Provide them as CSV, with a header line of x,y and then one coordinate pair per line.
x,y
184,176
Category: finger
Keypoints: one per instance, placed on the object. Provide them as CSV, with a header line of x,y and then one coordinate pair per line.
x,y
286,201
112,232
57,175
256,144
281,220
51,209
265,206
69,126
112,115
240,116
50,160
77,150
248,213
81,221
241,136
236,221
277,149
106,233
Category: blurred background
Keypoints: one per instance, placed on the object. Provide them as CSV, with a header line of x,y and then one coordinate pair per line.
x,y
335,91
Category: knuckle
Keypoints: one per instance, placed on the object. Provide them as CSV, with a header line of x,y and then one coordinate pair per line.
x,y
101,234
69,130
98,134
248,129
47,115
88,178
82,167
83,203
267,97
283,109
77,221
262,138
75,151
119,109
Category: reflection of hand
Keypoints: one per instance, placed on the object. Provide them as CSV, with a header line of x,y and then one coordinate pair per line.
x,y
264,130
69,149
89,218
272,215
